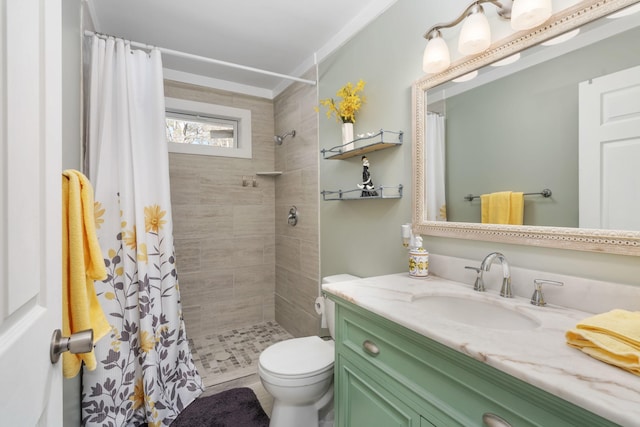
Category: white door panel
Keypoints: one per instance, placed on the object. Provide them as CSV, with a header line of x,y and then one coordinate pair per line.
x,y
609,175
30,211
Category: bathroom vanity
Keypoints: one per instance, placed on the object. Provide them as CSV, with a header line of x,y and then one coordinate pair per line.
x,y
434,352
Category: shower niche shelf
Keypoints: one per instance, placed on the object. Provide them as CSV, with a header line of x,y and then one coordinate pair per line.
x,y
384,192
374,142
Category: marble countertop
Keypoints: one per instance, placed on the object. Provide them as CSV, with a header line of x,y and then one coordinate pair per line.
x,y
538,356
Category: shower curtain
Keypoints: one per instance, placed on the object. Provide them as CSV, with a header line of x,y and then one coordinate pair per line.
x,y
145,370
435,168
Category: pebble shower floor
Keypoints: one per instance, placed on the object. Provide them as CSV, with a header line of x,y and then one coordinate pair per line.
x,y
231,355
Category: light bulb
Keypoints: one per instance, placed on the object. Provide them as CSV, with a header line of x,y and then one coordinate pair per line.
x,y
475,36
465,78
527,14
436,56
506,61
562,38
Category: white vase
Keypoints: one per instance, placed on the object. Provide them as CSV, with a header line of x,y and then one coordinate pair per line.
x,y
347,137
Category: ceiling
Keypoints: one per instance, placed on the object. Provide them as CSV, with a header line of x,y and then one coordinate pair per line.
x,y
281,36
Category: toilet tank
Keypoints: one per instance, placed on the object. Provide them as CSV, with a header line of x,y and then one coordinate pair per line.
x,y
330,306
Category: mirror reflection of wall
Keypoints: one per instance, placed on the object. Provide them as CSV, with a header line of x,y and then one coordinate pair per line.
x,y
520,133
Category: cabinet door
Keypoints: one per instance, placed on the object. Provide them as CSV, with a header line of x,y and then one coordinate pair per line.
x,y
425,423
360,401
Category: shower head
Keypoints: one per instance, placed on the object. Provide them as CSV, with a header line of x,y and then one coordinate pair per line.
x,y
279,138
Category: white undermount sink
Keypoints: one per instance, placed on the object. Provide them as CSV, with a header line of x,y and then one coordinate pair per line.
x,y
481,313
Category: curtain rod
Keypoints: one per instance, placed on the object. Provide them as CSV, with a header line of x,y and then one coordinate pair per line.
x,y
209,60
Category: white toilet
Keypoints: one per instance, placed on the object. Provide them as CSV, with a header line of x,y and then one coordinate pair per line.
x,y
298,373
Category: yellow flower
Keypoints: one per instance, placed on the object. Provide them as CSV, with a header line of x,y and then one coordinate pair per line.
x,y
351,102
147,342
142,252
130,238
109,295
98,211
137,397
119,271
443,212
153,218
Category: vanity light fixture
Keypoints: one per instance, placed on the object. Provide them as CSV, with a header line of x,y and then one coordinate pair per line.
x,y
527,14
475,35
561,38
436,56
506,61
465,78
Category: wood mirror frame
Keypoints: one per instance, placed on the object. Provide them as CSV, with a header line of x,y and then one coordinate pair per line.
x,y
595,240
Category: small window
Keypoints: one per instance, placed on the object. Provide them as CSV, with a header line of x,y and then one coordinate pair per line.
x,y
207,129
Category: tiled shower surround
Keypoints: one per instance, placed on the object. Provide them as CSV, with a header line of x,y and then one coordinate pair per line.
x,y
224,233
239,263
297,248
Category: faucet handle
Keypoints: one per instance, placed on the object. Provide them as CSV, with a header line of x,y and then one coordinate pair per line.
x,y
538,298
479,283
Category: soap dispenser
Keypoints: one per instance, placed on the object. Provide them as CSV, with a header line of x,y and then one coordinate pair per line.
x,y
418,260
418,256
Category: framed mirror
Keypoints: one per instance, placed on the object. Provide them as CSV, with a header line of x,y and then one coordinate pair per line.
x,y
533,162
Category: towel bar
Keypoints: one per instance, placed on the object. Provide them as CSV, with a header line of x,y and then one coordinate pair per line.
x,y
544,193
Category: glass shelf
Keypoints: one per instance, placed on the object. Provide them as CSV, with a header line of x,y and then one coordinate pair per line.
x,y
364,145
384,192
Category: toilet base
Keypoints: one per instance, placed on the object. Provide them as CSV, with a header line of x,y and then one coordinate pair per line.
x,y
287,415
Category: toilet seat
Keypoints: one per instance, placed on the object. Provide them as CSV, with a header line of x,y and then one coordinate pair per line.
x,y
298,358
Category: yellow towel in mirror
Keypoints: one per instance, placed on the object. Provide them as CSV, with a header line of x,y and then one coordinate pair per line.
x,y
82,263
504,207
612,337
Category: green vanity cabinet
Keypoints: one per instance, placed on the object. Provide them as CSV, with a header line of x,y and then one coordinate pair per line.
x,y
387,375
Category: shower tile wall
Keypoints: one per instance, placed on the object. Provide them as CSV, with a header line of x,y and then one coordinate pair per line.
x,y
297,248
225,233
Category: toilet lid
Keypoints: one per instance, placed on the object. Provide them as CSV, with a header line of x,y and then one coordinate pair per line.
x,y
298,356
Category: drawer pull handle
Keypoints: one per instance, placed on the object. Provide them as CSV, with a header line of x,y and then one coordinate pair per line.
x,y
370,348
492,420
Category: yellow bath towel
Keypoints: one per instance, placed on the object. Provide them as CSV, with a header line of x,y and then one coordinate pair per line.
x,y
612,337
504,207
82,263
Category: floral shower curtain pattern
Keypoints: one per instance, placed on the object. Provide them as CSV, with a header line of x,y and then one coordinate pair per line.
x,y
145,370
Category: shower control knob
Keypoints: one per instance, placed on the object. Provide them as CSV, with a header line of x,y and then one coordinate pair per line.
x,y
292,219
80,342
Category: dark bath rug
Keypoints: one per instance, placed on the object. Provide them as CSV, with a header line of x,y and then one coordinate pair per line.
x,y
238,407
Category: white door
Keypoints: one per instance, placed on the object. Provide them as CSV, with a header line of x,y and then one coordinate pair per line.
x,y
609,160
30,211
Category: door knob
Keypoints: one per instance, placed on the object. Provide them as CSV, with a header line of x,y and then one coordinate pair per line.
x,y
80,342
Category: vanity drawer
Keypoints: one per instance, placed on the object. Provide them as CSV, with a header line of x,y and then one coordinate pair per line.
x,y
443,381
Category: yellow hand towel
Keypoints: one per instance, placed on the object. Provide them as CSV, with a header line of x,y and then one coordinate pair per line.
x,y
612,337
82,263
516,213
504,207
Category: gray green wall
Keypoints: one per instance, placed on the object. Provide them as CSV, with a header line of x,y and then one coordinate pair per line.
x,y
71,136
520,133
362,237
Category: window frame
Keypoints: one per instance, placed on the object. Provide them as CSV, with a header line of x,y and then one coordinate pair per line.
x,y
194,108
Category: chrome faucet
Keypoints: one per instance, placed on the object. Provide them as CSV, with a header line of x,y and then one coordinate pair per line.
x,y
505,291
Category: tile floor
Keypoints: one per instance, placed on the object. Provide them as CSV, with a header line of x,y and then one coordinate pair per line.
x,y
230,359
